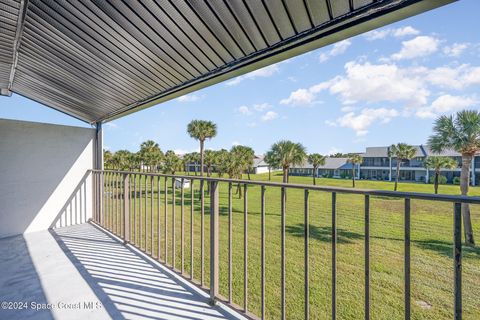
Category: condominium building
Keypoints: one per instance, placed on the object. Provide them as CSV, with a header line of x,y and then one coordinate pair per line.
x,y
377,164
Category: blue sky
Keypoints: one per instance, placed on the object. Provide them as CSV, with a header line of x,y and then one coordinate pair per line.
x,y
375,89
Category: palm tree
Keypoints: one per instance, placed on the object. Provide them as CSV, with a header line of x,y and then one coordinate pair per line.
x,y
210,160
171,163
316,160
202,130
402,152
272,162
354,159
234,166
241,160
288,154
121,158
245,156
220,162
150,153
438,163
107,158
191,158
462,134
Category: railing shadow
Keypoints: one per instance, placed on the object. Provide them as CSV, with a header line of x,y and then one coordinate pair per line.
x,y
324,234
74,211
125,282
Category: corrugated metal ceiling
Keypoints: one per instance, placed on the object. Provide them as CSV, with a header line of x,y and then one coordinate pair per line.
x,y
100,59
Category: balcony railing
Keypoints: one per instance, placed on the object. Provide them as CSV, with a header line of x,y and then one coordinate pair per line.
x,y
142,208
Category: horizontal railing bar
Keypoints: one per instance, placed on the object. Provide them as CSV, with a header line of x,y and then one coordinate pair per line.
x,y
385,193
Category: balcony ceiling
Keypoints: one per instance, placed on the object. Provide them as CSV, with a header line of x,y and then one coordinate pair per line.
x,y
98,60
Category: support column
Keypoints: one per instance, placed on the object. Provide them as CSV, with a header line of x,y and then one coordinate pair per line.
x,y
98,165
98,161
427,175
390,169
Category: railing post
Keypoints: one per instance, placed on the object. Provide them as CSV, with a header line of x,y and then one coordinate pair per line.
x,y
126,208
457,260
214,225
407,295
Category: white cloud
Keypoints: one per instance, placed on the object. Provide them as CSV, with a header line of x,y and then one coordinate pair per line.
x,y
189,98
446,104
333,150
405,31
112,125
337,49
360,122
244,110
299,97
262,106
455,49
270,115
417,47
262,73
383,33
180,151
375,83
457,78
236,143
377,34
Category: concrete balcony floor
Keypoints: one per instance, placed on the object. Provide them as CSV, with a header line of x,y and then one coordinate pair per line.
x,y
81,272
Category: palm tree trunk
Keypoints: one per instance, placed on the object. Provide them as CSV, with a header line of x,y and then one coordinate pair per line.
x,y
353,176
435,181
398,175
269,174
285,175
464,184
313,176
248,172
201,157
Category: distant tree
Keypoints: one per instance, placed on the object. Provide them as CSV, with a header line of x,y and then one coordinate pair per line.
x,y
121,159
107,159
192,158
201,130
462,134
272,162
234,166
316,160
210,161
354,159
150,154
220,162
171,163
288,154
401,152
245,155
437,164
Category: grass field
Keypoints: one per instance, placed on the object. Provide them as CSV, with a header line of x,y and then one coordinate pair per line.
x,y
431,238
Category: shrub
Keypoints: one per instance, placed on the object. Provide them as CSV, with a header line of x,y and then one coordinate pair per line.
x,y
441,179
456,180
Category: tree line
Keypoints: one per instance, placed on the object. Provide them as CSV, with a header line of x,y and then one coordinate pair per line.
x,y
459,132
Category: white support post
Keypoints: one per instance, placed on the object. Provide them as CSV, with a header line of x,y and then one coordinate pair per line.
x,y
98,161
390,169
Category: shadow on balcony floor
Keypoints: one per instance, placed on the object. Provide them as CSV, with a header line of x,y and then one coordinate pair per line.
x,y
82,263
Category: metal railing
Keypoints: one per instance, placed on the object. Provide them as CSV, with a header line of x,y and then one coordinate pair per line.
x,y
124,203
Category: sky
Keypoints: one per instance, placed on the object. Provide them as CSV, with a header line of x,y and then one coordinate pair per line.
x,y
375,89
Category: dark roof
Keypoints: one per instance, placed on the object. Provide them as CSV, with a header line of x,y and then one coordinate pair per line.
x,y
99,60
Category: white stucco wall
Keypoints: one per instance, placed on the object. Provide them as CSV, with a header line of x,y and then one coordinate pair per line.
x,y
43,174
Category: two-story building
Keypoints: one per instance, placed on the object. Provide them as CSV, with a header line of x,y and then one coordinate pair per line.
x,y
377,164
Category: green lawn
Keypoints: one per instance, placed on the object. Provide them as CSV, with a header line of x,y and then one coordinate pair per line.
x,y
432,265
